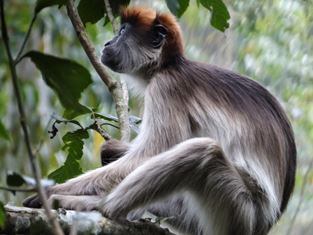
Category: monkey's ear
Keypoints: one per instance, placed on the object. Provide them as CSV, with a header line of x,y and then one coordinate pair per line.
x,y
159,33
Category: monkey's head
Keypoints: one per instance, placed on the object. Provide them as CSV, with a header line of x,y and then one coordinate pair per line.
x,y
145,42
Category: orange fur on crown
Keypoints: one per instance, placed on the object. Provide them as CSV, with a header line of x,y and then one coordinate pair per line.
x,y
139,17
144,18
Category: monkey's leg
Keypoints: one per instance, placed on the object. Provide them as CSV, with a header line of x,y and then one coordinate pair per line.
x,y
199,166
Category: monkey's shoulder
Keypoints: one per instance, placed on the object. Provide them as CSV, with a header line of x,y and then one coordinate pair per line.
x,y
219,76
191,76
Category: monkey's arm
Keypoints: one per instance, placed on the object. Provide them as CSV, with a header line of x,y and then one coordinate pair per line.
x,y
99,181
156,136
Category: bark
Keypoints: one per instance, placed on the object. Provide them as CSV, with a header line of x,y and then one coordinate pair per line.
x,y
22,220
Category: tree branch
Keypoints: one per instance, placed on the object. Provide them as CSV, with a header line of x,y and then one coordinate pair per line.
x,y
110,16
19,54
22,220
120,96
96,127
115,87
31,156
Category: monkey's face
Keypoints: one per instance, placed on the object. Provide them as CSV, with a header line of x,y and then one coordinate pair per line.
x,y
134,50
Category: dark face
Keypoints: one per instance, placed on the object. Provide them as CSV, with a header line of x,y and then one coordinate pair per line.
x,y
133,50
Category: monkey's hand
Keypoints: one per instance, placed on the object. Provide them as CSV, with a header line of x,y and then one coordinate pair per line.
x,y
63,199
98,182
79,203
34,201
112,150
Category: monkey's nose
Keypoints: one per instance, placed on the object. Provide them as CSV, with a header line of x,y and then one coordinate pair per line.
x,y
107,44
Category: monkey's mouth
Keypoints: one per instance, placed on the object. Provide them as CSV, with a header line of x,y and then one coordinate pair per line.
x,y
108,60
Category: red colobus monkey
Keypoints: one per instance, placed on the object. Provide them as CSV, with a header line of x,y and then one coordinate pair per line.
x,y
216,152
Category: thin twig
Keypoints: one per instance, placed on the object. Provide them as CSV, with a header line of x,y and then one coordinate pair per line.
x,y
14,189
33,161
304,182
110,16
109,124
41,142
115,87
19,54
95,126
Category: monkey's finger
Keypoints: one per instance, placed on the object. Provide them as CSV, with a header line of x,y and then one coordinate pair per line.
x,y
105,213
32,201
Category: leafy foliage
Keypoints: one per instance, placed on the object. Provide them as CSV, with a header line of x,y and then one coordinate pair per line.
x,y
91,10
3,132
67,78
73,144
41,4
94,10
54,130
15,179
177,7
220,14
2,215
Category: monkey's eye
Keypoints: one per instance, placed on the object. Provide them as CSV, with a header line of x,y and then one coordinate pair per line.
x,y
122,30
160,33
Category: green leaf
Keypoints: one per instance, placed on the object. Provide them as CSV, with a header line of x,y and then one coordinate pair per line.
x,y
41,4
3,132
94,10
75,122
91,10
73,144
14,179
220,14
66,78
77,110
177,7
69,170
2,215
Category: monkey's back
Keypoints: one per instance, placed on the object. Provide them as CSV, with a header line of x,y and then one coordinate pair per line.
x,y
245,119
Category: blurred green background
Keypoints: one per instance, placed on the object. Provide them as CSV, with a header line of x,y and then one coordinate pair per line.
x,y
271,41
